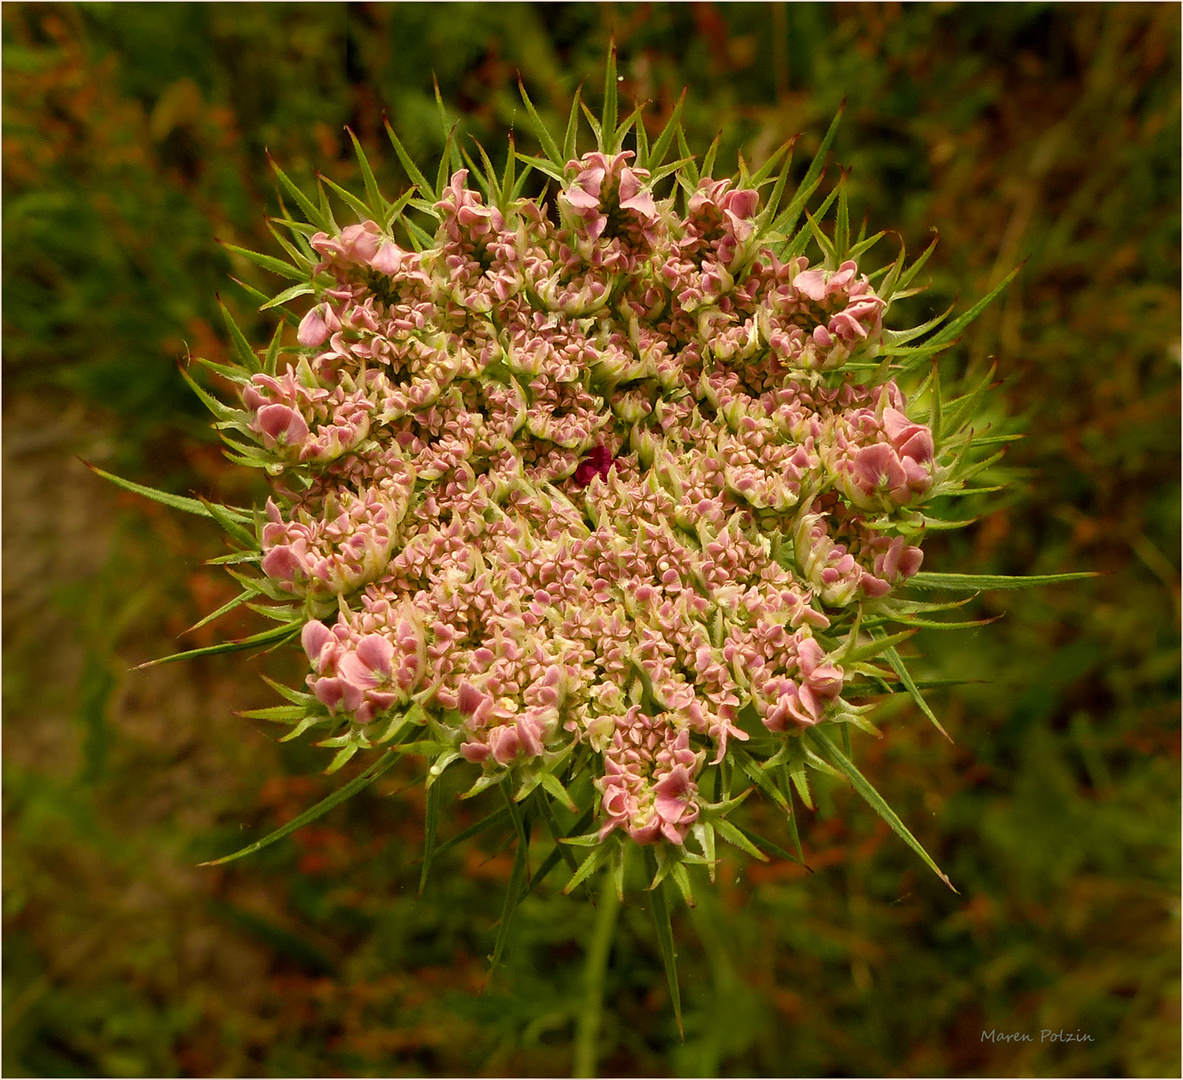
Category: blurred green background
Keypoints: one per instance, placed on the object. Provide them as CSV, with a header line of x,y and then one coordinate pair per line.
x,y
134,139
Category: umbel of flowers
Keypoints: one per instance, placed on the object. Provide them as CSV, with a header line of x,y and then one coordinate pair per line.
x,y
610,495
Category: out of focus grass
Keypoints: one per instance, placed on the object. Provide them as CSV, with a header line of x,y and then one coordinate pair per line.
x,y
134,135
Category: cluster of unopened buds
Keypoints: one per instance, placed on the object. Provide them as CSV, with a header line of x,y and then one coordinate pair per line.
x,y
606,495
548,461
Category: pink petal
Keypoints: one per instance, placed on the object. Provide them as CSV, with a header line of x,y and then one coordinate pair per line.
x,y
282,424
282,563
878,467
376,652
313,329
388,258
314,637
811,283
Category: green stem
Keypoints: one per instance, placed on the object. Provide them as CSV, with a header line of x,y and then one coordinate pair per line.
x,y
587,1031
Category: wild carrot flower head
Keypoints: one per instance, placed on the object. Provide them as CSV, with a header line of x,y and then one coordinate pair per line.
x,y
607,499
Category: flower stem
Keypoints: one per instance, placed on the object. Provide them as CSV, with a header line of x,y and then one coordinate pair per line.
x,y
587,1030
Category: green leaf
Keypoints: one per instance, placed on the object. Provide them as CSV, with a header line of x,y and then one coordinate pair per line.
x,y
377,204
901,669
608,121
661,147
831,754
323,807
495,818
311,211
227,607
267,637
451,154
341,757
220,411
283,713
562,852
936,624
267,262
543,166
659,909
508,178
897,279
271,360
893,340
326,210
394,212
682,879
690,173
708,161
640,135
295,696
774,850
762,780
936,411
177,502
985,582
303,726
594,124
796,770
801,241
943,525
666,170
231,526
242,347
352,201
949,334
732,834
554,787
570,136
793,823
842,227
765,171
513,893
590,864
417,177
544,137
822,241
864,244
873,648
306,258
788,220
420,239
256,294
